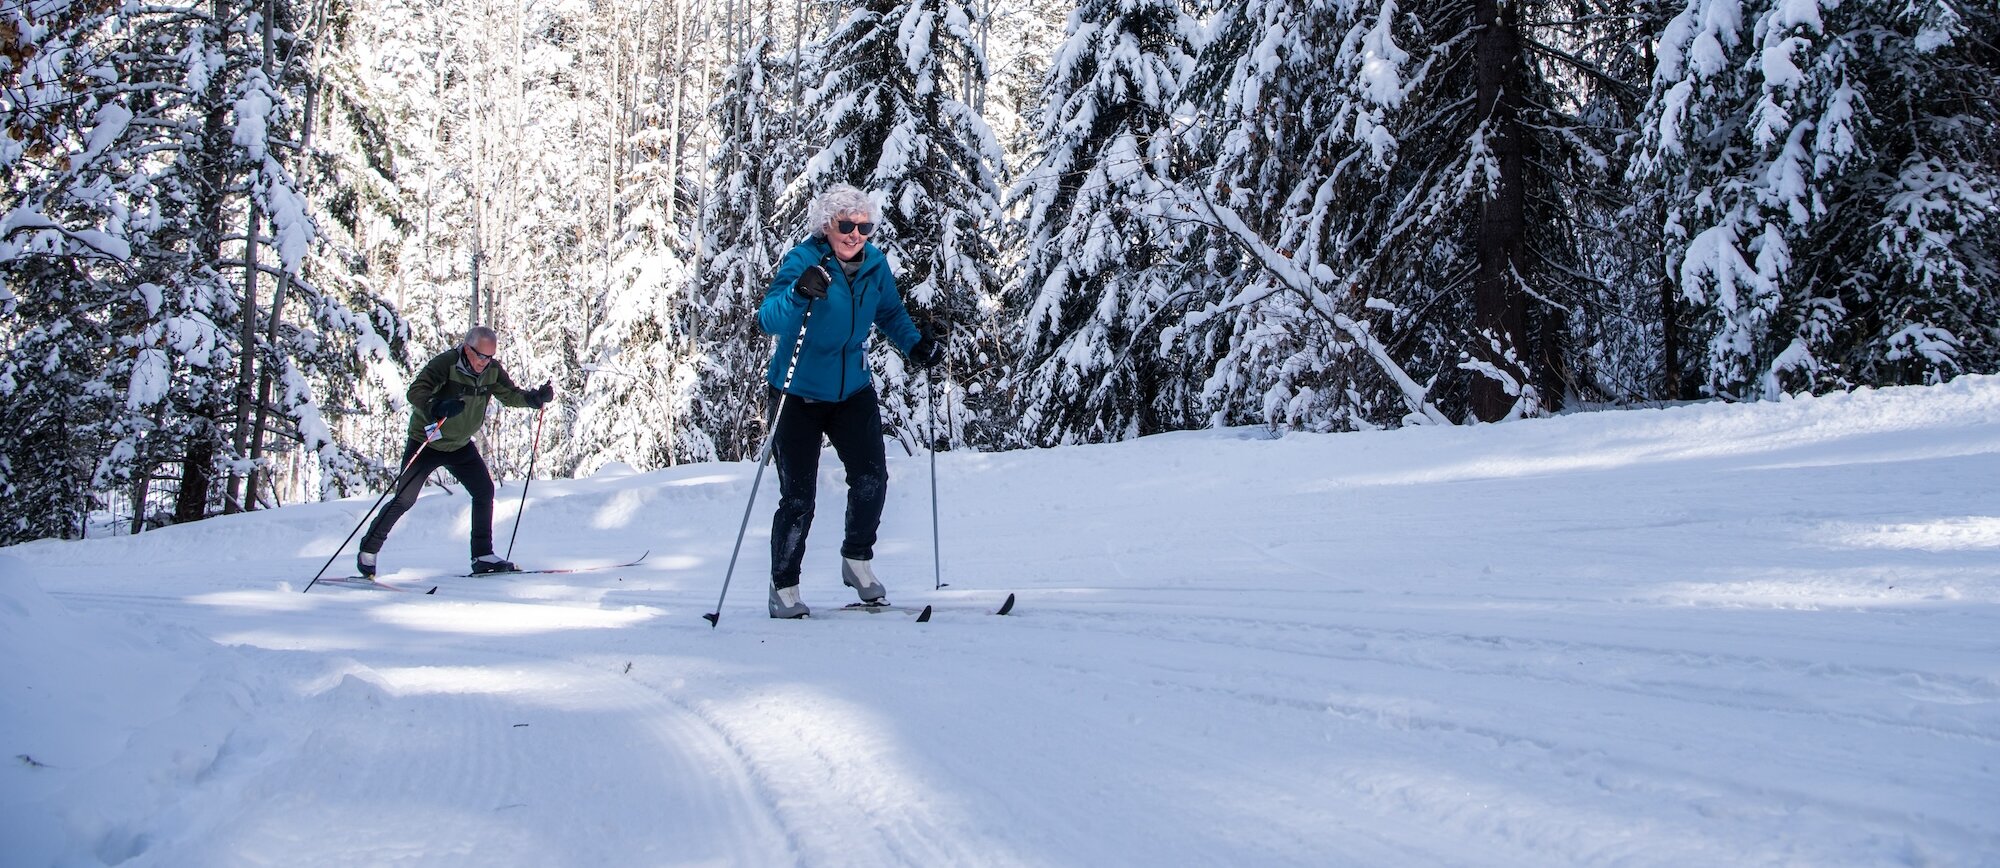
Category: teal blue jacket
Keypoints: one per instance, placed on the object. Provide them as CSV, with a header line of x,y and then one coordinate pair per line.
x,y
833,364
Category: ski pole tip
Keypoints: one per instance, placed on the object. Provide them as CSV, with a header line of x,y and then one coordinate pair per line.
x,y
714,619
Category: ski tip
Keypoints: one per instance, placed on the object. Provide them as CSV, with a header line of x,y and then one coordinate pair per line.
x,y
1006,606
924,616
714,619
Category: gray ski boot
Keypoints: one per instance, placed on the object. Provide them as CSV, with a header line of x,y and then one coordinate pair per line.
x,y
857,574
785,603
365,563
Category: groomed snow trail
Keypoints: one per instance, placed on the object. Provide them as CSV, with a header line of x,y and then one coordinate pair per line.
x,y
1762,635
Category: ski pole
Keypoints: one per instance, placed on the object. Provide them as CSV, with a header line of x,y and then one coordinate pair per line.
x,y
937,557
397,487
533,453
763,455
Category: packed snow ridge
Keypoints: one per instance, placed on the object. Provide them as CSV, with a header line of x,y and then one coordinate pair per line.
x,y
1707,635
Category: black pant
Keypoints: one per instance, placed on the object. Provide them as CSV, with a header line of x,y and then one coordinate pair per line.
x,y
855,427
466,466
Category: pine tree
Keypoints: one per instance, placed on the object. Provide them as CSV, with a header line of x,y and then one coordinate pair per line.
x,y
1101,274
1404,198
178,125
63,237
743,235
1829,181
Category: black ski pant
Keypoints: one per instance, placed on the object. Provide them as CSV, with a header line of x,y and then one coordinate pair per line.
x,y
855,428
466,466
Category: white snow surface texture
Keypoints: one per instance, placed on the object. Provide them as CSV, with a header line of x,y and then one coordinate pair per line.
x,y
1708,635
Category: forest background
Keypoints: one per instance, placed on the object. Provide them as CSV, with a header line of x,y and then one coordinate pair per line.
x,y
230,230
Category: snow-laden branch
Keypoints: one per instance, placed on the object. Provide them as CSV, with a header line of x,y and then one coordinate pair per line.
x,y
1293,277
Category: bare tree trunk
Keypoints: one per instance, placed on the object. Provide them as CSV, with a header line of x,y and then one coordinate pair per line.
x,y
283,283
1670,342
212,167
191,503
142,485
279,285
246,372
1500,314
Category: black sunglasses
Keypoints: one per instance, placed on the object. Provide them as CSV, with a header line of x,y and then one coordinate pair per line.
x,y
469,349
846,226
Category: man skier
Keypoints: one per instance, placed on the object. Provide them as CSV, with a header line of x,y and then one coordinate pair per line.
x,y
845,284
447,405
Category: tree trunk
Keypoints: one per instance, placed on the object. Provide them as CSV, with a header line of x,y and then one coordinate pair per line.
x,y
246,369
197,475
211,161
142,484
1500,311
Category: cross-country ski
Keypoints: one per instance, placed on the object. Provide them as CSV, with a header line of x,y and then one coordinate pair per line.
x,y
555,571
367,584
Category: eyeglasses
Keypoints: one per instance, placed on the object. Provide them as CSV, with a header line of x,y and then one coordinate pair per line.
x,y
469,349
845,226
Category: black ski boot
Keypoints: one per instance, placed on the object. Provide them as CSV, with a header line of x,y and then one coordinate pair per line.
x,y
492,563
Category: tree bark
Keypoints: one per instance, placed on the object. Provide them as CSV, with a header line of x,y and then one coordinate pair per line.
x,y
1670,341
142,484
246,371
211,164
197,476
1500,310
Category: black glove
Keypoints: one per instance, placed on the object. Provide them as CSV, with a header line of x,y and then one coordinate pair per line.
x,y
812,285
927,352
445,408
537,397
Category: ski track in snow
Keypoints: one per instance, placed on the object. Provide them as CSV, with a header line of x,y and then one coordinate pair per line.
x,y
1757,635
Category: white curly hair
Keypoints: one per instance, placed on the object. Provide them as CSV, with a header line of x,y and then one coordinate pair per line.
x,y
835,201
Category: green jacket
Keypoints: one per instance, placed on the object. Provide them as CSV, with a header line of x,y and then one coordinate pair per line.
x,y
448,376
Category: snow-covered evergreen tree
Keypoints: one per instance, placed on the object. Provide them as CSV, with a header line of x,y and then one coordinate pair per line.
x,y
894,125
63,230
144,336
744,233
1100,273
1399,179
1830,185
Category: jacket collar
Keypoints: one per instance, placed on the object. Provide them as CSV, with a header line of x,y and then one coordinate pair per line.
x,y
871,256
461,365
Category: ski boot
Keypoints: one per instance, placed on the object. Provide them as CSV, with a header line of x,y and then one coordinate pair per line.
x,y
492,563
785,603
857,574
364,563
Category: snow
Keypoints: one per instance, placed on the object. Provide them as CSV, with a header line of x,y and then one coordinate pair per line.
x,y
1713,634
152,376
110,123
103,242
253,115
1382,60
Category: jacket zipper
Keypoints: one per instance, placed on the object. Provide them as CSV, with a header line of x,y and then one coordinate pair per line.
x,y
852,317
